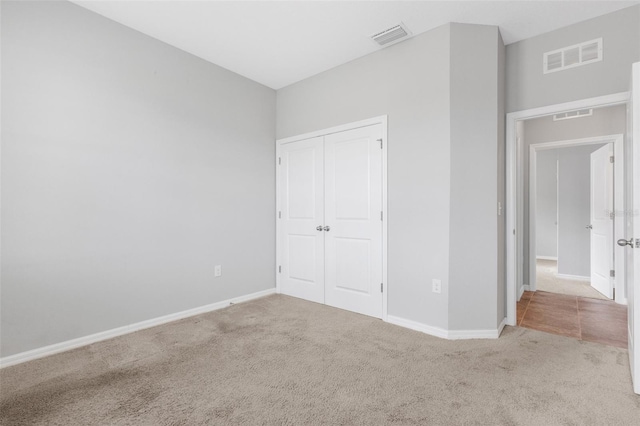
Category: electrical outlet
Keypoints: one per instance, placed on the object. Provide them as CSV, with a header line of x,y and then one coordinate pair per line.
x,y
218,270
436,286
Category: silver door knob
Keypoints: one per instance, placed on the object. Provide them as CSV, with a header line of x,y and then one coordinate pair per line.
x,y
589,226
327,228
622,242
319,228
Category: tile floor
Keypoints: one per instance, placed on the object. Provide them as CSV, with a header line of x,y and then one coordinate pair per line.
x,y
591,320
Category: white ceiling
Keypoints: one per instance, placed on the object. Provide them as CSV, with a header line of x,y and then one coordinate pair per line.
x,y
277,43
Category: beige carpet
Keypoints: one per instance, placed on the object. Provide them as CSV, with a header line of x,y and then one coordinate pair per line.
x,y
546,280
284,361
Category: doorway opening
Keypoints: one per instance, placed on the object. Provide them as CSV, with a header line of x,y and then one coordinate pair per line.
x,y
569,197
571,221
571,212
517,169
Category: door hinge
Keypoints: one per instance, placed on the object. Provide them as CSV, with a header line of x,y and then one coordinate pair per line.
x,y
381,287
611,159
279,160
637,243
612,273
279,269
381,216
612,215
380,140
280,215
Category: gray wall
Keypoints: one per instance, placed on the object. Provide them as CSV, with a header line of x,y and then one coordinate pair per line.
x,y
473,273
441,95
129,169
574,240
604,121
547,203
410,83
528,87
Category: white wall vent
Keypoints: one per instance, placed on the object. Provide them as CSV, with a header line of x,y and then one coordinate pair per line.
x,y
572,56
391,35
573,114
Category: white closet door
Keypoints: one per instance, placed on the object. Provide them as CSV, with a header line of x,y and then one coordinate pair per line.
x,y
302,203
353,205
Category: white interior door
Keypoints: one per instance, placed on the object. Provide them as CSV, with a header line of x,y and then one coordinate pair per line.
x,y
633,227
601,220
302,211
353,208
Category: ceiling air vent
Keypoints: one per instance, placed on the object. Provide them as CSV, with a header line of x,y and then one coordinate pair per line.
x,y
391,35
573,114
572,56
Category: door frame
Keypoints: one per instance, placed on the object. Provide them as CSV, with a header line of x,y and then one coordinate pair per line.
x,y
382,120
633,130
515,193
618,203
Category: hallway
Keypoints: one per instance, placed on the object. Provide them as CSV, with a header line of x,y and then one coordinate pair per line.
x,y
547,280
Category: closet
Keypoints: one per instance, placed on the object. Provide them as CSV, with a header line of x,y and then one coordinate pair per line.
x,y
330,219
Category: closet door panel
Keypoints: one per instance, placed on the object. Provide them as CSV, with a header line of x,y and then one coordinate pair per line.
x,y
302,211
353,206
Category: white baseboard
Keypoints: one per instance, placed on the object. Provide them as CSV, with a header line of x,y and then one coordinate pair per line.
x,y
447,334
573,277
501,326
521,291
418,326
477,334
547,258
104,335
